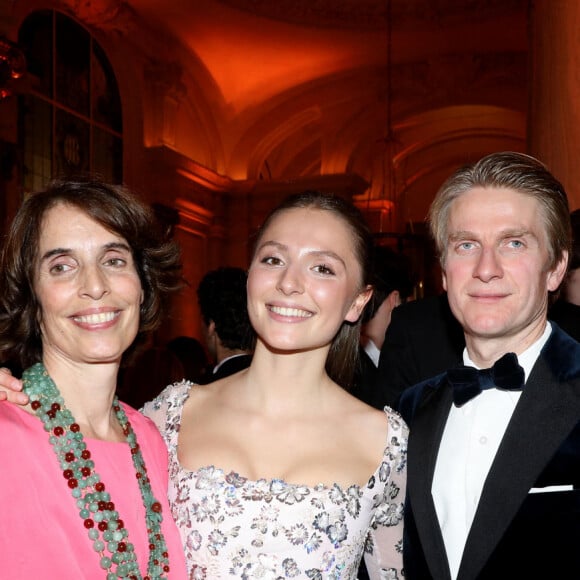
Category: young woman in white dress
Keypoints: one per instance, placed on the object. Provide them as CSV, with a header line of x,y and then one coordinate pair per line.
x,y
277,471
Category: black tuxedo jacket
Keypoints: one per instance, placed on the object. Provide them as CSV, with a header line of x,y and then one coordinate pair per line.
x,y
422,340
364,378
567,316
515,534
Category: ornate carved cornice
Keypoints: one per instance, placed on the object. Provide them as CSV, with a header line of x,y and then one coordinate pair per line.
x,y
458,75
372,14
166,78
359,14
105,15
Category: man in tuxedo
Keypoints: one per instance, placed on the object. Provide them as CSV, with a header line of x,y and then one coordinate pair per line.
x,y
227,330
494,456
392,286
424,339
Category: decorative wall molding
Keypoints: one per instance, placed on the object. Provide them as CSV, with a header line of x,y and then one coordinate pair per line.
x,y
372,14
105,15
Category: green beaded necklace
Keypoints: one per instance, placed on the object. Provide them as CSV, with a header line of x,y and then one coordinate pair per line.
x,y
105,529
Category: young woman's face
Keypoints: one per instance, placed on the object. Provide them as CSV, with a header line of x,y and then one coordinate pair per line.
x,y
87,287
304,280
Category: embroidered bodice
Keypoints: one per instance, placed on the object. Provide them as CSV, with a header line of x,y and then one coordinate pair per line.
x,y
232,527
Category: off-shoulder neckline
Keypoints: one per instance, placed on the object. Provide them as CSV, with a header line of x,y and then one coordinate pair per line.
x,y
271,481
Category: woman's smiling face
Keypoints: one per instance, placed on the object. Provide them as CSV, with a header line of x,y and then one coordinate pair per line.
x,y
305,280
87,287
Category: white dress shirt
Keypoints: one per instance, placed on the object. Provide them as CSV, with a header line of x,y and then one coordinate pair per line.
x,y
216,368
470,441
373,352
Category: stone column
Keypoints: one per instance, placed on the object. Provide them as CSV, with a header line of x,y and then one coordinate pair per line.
x,y
554,90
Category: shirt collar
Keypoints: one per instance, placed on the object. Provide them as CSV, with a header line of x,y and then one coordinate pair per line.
x,y
372,351
527,359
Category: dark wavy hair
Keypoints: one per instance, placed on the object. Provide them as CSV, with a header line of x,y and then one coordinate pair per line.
x,y
157,259
222,298
344,350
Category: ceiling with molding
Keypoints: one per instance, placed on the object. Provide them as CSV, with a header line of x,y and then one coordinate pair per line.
x,y
286,42
290,89
420,75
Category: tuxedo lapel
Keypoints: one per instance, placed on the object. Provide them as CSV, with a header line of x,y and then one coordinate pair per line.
x,y
427,429
546,413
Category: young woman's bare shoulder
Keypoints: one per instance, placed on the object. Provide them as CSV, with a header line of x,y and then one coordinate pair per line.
x,y
373,422
212,393
199,395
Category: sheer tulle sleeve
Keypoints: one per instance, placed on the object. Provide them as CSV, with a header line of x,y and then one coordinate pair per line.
x,y
165,409
384,547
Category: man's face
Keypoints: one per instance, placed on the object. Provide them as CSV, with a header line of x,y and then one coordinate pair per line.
x,y
496,269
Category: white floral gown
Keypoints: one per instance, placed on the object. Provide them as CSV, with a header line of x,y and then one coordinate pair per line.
x,y
232,527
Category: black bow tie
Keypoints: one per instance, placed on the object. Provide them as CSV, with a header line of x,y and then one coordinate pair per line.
x,y
468,382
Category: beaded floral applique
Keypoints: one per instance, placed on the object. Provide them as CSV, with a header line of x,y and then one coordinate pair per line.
x,y
232,527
